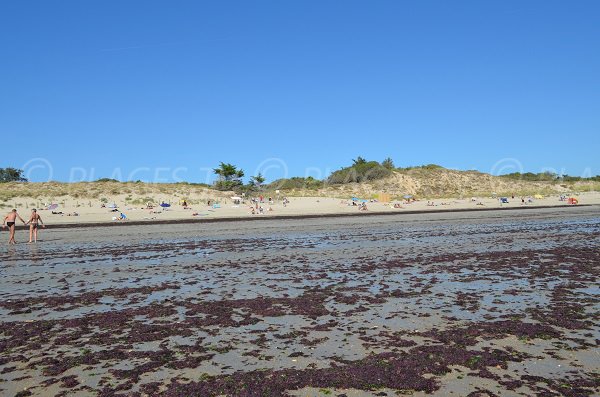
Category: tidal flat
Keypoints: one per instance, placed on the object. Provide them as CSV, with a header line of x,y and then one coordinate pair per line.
x,y
494,303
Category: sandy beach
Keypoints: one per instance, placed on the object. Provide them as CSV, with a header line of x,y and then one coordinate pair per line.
x,y
491,303
300,199
92,212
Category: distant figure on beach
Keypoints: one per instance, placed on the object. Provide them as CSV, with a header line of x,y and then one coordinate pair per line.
x,y
121,217
9,221
34,220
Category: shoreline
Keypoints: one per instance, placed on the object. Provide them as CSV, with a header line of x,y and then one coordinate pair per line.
x,y
222,219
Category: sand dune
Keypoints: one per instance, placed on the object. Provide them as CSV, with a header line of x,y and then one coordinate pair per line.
x,y
446,189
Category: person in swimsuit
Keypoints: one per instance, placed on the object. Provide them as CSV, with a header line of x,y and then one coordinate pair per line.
x,y
34,220
10,220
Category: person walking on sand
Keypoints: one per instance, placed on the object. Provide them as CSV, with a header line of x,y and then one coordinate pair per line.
x,y
34,220
9,221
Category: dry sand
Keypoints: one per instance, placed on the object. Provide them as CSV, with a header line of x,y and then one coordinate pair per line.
x,y
90,211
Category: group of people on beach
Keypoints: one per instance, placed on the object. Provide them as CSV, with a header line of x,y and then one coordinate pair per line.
x,y
35,220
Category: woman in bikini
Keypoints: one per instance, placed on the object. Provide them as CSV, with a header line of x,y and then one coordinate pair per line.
x,y
34,220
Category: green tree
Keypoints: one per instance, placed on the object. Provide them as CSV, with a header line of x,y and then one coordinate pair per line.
x,y
228,172
388,163
257,180
359,160
229,176
11,175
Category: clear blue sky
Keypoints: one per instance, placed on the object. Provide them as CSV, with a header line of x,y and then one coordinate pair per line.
x,y
105,88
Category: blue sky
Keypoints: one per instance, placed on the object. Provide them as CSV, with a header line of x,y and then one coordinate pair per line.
x,y
163,91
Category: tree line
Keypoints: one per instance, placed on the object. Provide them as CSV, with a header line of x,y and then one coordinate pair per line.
x,y
548,177
11,175
230,177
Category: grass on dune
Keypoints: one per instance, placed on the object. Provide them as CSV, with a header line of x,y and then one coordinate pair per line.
x,y
84,191
422,182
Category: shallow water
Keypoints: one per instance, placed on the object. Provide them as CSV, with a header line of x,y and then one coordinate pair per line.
x,y
146,309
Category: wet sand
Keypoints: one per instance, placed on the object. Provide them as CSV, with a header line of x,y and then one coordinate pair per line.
x,y
494,303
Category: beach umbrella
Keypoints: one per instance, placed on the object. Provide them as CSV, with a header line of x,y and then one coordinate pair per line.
x,y
408,196
113,205
354,199
53,206
165,205
364,201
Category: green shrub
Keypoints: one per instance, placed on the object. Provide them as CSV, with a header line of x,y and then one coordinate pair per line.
x,y
295,183
422,167
359,172
106,180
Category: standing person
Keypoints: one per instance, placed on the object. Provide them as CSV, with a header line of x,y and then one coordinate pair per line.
x,y
10,220
34,220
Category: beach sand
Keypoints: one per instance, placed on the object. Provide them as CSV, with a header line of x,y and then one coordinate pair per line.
x,y
90,211
489,303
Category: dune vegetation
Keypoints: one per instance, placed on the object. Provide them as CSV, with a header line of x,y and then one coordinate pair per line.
x,y
363,178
